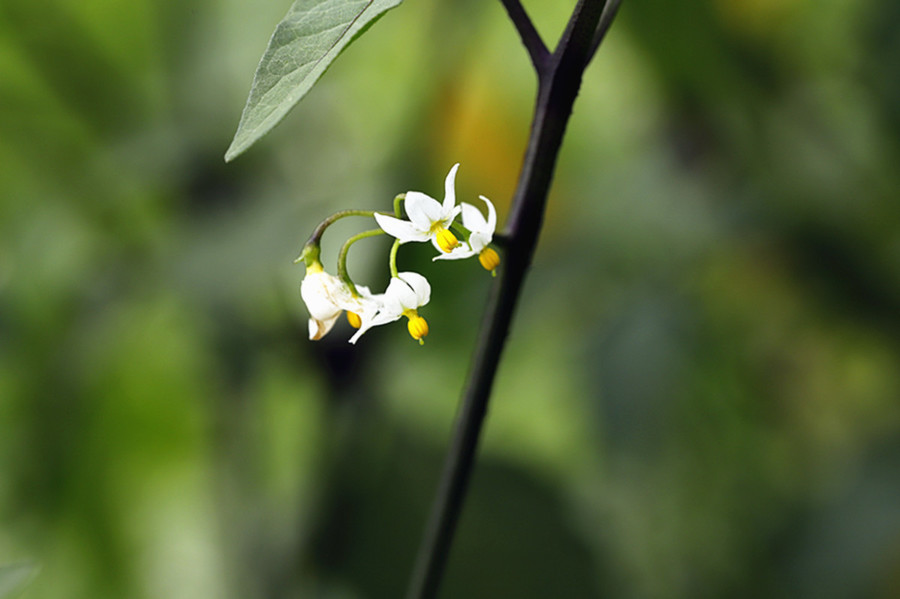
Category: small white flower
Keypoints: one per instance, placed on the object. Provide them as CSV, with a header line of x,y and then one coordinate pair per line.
x,y
406,292
429,220
326,296
482,233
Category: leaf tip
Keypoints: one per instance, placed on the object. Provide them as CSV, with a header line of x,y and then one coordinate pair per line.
x,y
233,151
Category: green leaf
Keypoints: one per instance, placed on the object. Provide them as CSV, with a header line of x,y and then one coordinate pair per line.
x,y
304,44
13,577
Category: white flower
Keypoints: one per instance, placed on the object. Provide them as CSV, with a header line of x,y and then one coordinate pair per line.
x,y
406,292
326,296
482,233
429,220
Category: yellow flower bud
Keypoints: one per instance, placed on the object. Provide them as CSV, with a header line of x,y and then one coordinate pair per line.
x,y
445,240
354,320
489,258
418,328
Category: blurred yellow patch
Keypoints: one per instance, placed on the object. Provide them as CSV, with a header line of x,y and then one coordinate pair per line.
x,y
476,127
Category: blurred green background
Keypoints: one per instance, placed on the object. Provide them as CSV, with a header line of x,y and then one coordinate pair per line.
x,y
700,394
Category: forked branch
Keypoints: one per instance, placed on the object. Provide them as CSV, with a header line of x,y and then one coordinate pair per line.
x,y
559,78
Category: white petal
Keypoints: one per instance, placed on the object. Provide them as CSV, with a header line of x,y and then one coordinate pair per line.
x,y
420,287
320,328
422,210
472,218
383,317
398,296
366,294
369,306
492,215
378,320
448,218
478,241
318,291
401,229
450,190
460,252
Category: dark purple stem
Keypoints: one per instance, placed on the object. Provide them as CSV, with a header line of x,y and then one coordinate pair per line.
x,y
559,78
530,37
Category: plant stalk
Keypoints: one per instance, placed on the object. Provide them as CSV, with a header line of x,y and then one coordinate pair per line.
x,y
558,82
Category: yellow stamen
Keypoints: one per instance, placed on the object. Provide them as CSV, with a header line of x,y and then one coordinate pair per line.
x,y
489,259
445,239
417,327
354,320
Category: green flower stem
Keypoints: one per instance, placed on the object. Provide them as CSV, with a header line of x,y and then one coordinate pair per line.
x,y
320,228
398,212
559,78
393,259
342,256
461,230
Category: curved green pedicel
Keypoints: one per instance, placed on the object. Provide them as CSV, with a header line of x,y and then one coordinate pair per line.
x,y
393,258
342,256
398,211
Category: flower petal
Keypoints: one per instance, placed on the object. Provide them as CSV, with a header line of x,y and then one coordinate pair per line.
x,y
478,241
318,291
448,217
315,330
450,190
492,215
378,320
419,286
398,296
472,218
319,328
403,230
460,252
369,312
366,294
423,210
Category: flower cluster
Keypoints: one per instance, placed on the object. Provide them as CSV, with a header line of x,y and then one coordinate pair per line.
x,y
327,296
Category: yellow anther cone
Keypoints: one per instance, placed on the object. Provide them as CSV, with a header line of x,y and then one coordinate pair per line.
x,y
489,258
446,240
418,327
